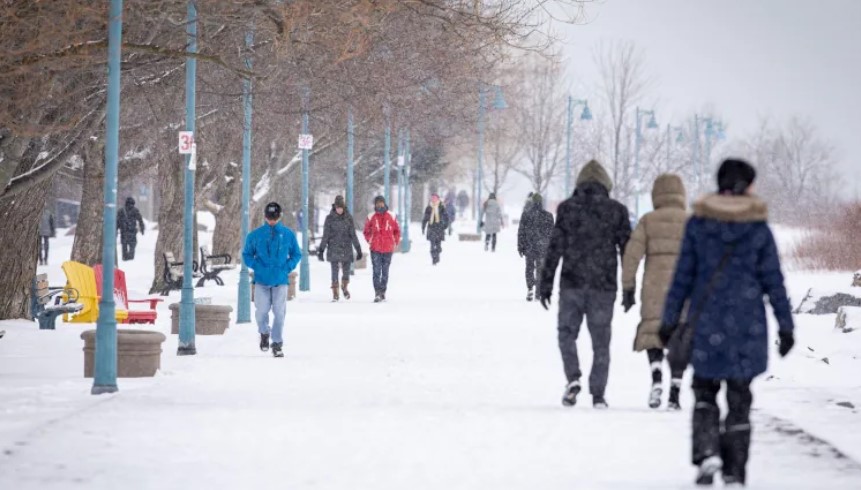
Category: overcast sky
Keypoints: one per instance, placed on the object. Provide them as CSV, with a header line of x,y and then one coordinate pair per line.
x,y
745,58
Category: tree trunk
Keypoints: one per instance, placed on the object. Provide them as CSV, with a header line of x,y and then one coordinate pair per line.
x,y
170,178
226,237
87,247
19,235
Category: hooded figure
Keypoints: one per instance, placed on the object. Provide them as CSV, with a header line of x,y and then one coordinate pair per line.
x,y
491,221
339,240
46,232
727,266
590,234
128,219
658,238
533,238
434,223
384,236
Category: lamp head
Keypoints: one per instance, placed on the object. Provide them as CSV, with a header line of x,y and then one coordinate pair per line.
x,y
653,123
587,114
499,100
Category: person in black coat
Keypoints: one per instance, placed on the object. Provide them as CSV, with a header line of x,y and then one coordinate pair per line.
x,y
533,238
434,224
728,264
128,220
339,239
590,234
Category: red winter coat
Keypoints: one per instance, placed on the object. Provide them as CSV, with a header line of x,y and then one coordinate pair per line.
x,y
382,232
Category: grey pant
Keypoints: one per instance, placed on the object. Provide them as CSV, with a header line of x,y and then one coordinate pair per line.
x,y
597,306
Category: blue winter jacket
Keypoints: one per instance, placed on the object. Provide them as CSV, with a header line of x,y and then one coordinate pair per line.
x,y
272,252
730,334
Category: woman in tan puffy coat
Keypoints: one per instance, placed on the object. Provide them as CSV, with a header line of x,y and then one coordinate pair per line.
x,y
658,237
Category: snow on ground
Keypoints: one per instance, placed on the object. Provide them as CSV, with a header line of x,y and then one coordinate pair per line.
x,y
454,383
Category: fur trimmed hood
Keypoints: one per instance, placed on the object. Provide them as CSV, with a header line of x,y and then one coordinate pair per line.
x,y
732,209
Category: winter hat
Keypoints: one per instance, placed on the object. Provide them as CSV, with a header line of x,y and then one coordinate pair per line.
x,y
537,199
272,211
492,196
379,199
594,172
130,201
735,176
339,202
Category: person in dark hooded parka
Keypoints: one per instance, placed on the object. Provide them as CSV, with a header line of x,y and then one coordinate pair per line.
x,y
533,238
590,234
128,220
336,246
727,265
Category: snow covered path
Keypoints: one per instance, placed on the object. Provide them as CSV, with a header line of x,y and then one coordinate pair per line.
x,y
455,383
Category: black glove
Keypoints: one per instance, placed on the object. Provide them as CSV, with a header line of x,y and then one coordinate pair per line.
x,y
665,333
521,251
628,300
787,340
545,299
320,255
359,254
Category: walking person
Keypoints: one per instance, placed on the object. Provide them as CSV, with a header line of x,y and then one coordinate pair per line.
x,y
533,238
47,230
384,236
727,265
451,209
658,238
128,220
434,224
339,239
491,221
272,252
590,234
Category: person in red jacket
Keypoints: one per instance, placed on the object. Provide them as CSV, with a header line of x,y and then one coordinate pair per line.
x,y
383,235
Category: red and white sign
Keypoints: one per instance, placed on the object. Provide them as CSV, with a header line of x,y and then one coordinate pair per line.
x,y
306,141
186,142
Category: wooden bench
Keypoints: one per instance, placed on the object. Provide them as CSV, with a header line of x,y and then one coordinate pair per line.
x,y
47,303
213,265
173,271
122,300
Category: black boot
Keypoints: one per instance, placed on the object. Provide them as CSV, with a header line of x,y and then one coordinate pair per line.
x,y
264,342
529,295
276,349
569,398
673,402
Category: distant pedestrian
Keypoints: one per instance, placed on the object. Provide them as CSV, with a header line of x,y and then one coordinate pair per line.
x,y
384,236
658,238
128,220
728,264
451,209
339,239
462,202
533,238
47,230
434,225
491,221
272,252
590,234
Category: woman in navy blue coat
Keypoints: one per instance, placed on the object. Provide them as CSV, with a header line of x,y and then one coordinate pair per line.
x,y
728,264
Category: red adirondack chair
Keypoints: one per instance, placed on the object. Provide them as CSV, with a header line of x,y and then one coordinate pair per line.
x,y
121,296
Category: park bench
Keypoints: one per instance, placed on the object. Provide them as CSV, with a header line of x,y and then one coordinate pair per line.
x,y
173,271
121,297
47,303
213,265
81,278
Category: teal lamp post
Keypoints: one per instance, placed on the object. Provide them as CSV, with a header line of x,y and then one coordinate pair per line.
x,y
638,137
243,303
586,115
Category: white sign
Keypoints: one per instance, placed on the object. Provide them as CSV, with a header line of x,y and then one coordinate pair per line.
x,y
186,142
306,141
192,162
400,160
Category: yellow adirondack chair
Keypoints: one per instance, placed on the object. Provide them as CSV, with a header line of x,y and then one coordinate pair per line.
x,y
82,278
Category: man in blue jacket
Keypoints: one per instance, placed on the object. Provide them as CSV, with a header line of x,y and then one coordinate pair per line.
x,y
727,266
272,252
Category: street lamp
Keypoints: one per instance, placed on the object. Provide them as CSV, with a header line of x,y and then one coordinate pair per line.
x,y
652,124
105,369
304,265
714,130
680,138
243,307
186,306
498,104
586,115
405,241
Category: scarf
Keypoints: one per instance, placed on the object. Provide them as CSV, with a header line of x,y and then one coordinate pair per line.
x,y
434,213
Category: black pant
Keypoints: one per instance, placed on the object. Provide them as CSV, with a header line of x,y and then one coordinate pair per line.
x,y
436,249
597,307
128,243
533,270
344,267
490,239
732,441
43,249
381,263
656,359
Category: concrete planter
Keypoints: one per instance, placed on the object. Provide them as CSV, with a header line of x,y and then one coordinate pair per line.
x,y
469,237
208,319
138,353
